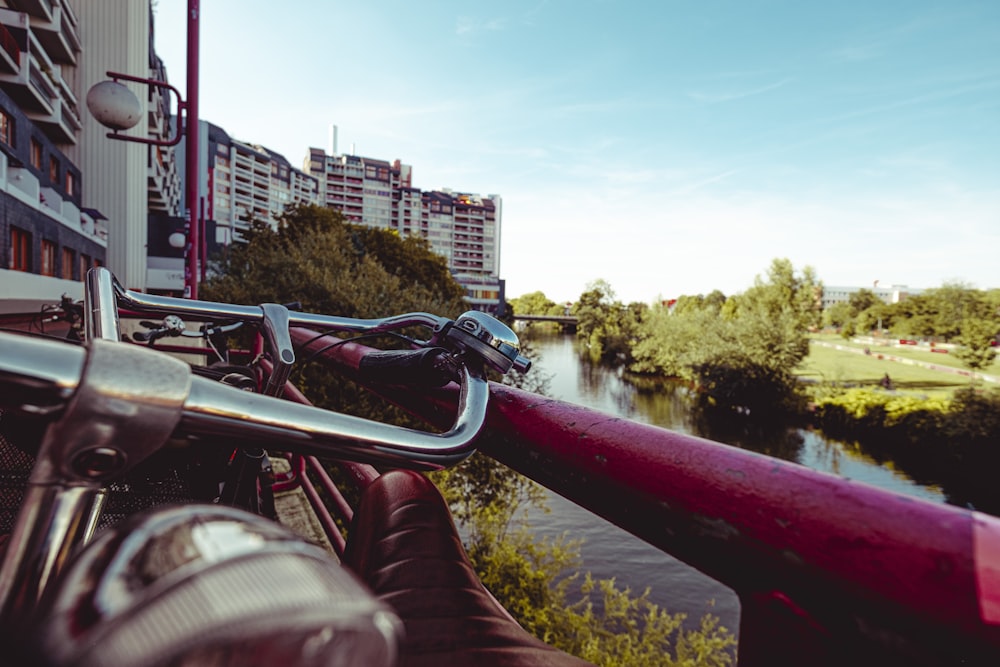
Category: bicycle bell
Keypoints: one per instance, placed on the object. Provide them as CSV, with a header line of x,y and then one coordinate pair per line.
x,y
491,339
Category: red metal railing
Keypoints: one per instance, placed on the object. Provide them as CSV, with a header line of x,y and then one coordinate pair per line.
x,y
828,571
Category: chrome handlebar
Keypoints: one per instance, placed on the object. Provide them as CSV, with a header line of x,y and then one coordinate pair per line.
x,y
113,404
42,377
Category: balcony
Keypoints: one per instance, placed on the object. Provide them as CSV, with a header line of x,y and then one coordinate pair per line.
x,y
10,51
58,35
63,123
42,9
37,85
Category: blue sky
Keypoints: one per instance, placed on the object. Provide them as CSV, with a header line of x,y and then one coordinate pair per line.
x,y
668,147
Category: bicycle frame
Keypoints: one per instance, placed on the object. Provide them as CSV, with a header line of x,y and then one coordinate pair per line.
x,y
120,403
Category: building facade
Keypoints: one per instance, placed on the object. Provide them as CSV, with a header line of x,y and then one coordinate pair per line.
x,y
70,197
239,182
50,231
463,228
833,294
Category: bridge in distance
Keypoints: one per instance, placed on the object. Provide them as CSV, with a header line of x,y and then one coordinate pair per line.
x,y
568,320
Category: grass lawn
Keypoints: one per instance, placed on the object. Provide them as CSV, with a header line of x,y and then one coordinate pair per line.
x,y
825,364
907,352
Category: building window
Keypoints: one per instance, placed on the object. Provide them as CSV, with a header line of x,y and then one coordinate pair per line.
x,y
84,265
48,258
70,182
68,264
53,170
20,250
6,128
36,153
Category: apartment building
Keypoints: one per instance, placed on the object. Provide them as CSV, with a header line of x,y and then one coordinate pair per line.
x,y
239,182
50,231
247,181
70,197
461,227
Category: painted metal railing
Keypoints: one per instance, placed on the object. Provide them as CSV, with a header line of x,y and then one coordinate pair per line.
x,y
828,571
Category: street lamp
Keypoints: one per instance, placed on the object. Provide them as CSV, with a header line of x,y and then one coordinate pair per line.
x,y
117,108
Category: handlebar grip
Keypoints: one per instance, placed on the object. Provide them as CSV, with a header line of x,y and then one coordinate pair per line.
x,y
152,335
426,367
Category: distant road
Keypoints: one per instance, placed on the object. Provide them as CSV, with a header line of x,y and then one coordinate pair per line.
x,y
912,362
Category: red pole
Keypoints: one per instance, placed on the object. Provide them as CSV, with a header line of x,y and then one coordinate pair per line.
x,y
191,153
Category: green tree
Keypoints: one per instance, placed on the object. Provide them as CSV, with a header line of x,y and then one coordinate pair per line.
x,y
977,343
535,303
331,266
784,290
839,315
743,354
862,300
953,303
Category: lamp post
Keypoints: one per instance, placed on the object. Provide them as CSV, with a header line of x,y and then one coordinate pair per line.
x,y
117,108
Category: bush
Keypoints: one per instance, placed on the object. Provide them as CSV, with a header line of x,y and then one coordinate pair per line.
x,y
538,581
954,443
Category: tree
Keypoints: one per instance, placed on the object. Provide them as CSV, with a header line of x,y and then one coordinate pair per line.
x,y
330,266
743,354
599,321
977,343
839,315
783,290
334,267
535,303
862,300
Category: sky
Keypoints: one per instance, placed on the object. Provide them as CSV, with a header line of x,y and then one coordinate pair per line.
x,y
667,147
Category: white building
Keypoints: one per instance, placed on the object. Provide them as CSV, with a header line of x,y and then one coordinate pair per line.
x,y
839,294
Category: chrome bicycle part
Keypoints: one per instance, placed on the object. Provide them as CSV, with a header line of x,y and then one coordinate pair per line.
x,y
491,339
198,585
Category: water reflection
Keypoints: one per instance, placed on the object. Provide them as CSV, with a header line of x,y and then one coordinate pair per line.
x,y
672,405
609,551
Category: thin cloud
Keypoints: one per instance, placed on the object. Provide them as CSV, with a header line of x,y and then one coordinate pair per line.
x,y
858,53
698,185
729,96
467,25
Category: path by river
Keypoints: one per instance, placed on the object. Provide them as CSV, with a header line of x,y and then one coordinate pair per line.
x,y
609,551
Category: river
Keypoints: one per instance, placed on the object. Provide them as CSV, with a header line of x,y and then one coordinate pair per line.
x,y
607,550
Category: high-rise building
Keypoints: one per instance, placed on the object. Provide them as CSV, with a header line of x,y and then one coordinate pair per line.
x,y
71,197
461,227
239,182
50,230
247,181
124,180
